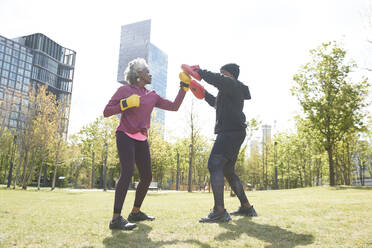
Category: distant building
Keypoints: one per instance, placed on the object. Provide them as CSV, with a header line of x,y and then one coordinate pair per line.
x,y
266,134
135,43
27,62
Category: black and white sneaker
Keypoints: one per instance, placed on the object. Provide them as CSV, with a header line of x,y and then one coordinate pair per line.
x,y
140,216
215,216
121,224
243,211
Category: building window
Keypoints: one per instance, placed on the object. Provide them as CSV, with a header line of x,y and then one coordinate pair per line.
x,y
21,64
16,53
23,56
6,66
7,58
8,50
18,85
12,76
11,83
5,73
25,87
13,123
4,81
29,59
20,71
13,68
15,61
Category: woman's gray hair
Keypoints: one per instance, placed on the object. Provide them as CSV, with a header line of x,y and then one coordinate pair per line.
x,y
134,66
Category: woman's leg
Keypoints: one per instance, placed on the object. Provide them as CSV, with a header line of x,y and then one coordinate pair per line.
x,y
126,150
143,162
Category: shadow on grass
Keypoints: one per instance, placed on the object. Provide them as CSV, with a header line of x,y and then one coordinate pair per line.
x,y
276,236
351,187
139,237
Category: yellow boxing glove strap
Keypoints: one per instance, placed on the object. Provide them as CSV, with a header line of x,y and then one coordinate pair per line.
x,y
129,102
185,80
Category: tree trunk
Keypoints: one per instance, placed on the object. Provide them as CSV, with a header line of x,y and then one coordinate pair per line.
x,y
55,170
40,172
331,167
18,169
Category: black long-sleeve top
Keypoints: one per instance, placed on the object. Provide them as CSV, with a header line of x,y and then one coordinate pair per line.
x,y
229,102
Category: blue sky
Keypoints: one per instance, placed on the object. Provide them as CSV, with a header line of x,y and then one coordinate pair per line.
x,y
269,39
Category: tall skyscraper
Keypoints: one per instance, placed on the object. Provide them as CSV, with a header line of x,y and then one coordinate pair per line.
x,y
29,61
266,134
135,43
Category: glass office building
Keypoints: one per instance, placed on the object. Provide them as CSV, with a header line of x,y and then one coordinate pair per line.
x,y
29,61
135,43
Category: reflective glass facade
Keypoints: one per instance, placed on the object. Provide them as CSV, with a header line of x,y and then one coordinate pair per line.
x,y
31,60
135,43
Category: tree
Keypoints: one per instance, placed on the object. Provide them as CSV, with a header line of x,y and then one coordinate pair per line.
x,y
329,99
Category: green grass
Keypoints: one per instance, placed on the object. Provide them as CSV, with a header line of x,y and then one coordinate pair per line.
x,y
310,217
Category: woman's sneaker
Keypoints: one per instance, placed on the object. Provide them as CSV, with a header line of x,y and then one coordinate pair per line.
x,y
215,216
121,224
140,216
245,211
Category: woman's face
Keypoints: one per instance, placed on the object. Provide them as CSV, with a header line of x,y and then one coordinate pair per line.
x,y
145,76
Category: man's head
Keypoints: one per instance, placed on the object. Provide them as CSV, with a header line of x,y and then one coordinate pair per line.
x,y
230,70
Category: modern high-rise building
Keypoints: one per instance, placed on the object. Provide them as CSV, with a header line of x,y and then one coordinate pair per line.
x,y
29,61
135,43
266,134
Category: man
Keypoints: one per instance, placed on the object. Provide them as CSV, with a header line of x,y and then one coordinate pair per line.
x,y
230,129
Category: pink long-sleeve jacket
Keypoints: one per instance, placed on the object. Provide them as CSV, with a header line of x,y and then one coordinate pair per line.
x,y
137,119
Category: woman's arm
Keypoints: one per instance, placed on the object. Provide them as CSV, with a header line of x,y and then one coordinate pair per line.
x,y
171,106
113,106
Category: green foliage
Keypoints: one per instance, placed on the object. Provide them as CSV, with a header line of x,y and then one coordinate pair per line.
x,y
331,102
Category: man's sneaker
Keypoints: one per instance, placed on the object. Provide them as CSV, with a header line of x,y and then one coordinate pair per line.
x,y
245,211
140,216
215,216
122,224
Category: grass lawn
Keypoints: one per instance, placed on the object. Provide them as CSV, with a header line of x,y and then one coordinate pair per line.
x,y
310,217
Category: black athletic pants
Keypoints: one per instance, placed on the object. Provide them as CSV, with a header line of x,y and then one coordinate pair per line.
x,y
131,151
221,164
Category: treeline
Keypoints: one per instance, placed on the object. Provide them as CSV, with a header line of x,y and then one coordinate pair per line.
x,y
330,143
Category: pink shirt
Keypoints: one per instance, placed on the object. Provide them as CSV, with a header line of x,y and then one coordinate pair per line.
x,y
137,119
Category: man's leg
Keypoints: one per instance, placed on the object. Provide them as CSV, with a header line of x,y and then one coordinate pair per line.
x,y
236,185
234,181
215,166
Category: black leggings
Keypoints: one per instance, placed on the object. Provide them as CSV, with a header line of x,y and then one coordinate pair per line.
x,y
221,164
131,151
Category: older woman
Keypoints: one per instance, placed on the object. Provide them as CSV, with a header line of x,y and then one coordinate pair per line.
x,y
135,103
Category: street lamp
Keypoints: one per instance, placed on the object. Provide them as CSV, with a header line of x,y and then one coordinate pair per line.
x,y
276,169
104,169
190,162
178,171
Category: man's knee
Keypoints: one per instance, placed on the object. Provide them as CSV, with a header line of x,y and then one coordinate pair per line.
x,y
228,170
216,162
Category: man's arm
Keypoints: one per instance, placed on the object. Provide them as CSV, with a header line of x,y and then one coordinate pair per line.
x,y
221,82
210,99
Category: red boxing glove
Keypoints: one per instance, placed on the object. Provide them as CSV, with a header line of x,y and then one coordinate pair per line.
x,y
190,71
197,89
